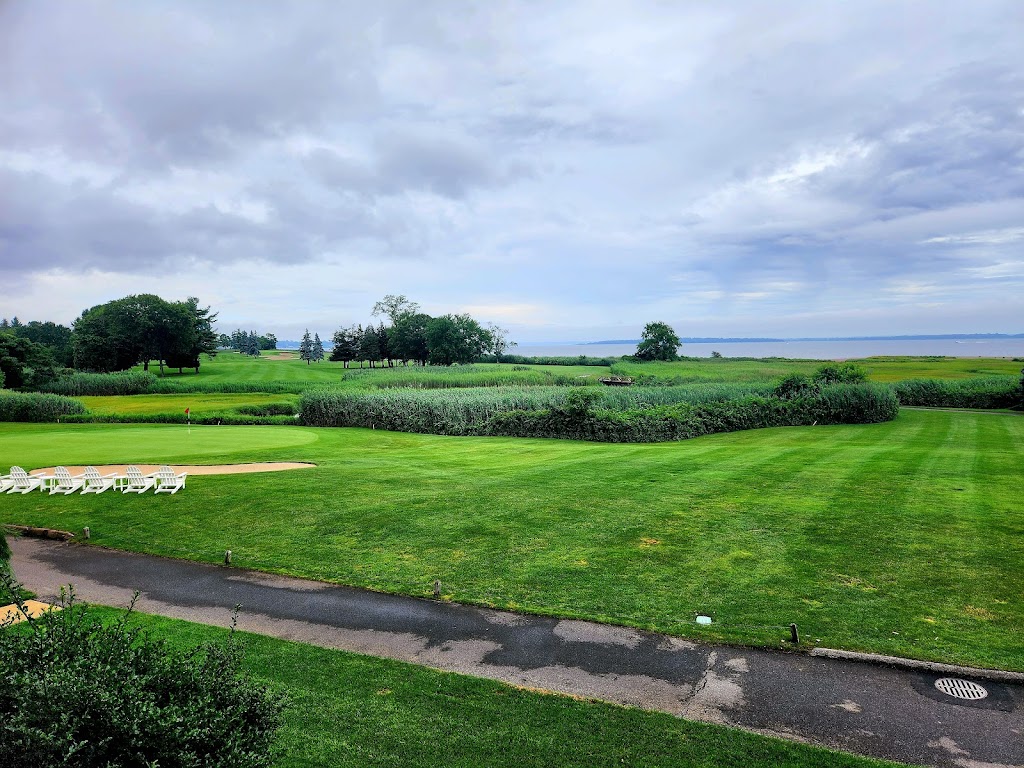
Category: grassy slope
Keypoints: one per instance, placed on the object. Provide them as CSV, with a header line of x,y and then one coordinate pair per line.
x,y
903,538
351,710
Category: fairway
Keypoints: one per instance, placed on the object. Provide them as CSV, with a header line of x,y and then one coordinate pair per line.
x,y
904,538
34,445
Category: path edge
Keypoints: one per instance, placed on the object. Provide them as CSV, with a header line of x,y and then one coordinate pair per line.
x,y
998,675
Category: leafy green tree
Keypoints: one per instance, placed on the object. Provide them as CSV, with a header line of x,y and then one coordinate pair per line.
x,y
369,346
658,342
23,363
317,353
204,338
224,341
121,333
456,339
408,338
346,345
306,348
57,338
395,307
268,341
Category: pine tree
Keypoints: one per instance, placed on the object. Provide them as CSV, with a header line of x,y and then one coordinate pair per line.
x,y
318,348
306,348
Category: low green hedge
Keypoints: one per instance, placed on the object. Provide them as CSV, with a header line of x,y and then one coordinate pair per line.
x,y
575,419
34,406
841,404
990,392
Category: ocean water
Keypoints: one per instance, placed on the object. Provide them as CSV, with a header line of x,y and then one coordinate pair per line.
x,y
808,350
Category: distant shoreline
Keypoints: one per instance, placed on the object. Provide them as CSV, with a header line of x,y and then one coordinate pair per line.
x,y
765,340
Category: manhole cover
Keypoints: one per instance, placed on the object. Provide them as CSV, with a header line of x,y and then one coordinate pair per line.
x,y
960,689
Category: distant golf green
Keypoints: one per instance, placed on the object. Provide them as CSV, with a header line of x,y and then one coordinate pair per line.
x,y
903,538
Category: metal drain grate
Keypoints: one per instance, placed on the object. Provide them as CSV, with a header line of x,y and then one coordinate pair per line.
x,y
960,689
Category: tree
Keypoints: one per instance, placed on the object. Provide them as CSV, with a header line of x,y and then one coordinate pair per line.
x,y
369,346
408,338
306,348
204,338
268,341
499,341
23,363
456,339
658,342
318,349
121,333
75,690
57,338
395,307
346,345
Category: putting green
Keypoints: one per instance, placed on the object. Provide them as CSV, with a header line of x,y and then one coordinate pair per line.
x,y
30,445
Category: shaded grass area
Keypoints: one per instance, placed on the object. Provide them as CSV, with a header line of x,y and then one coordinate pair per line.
x,y
904,538
352,710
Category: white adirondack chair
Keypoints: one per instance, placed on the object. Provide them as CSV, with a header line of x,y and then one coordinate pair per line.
x,y
167,481
62,481
6,483
23,482
136,482
97,483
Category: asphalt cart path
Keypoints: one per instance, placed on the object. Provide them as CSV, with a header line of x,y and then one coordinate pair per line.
x,y
854,706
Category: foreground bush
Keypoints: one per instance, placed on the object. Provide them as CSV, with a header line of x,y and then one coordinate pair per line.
x,y
74,691
31,406
595,414
82,384
990,392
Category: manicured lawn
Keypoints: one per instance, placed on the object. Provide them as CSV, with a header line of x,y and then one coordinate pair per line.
x,y
231,368
885,369
201,404
351,710
904,538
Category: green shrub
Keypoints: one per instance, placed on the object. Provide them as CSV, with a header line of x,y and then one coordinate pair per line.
x,y
267,409
593,414
840,373
989,392
82,384
33,406
75,691
795,385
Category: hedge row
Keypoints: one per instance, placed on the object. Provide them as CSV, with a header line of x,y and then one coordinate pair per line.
x,y
991,392
82,384
33,406
838,404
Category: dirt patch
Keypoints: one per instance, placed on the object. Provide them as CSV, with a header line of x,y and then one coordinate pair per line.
x,y
280,356
191,469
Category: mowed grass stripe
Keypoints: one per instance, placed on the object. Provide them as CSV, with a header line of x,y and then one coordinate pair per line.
x,y
854,532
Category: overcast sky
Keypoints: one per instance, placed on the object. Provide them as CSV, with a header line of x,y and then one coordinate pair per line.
x,y
569,170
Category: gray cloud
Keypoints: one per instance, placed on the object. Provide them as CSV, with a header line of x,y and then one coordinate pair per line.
x,y
734,162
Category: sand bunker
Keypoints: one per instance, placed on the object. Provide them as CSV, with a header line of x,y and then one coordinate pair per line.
x,y
283,356
191,469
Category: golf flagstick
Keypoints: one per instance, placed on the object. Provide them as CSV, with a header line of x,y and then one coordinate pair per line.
x,y
188,419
